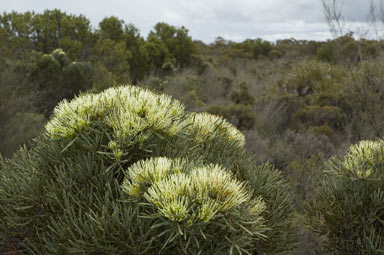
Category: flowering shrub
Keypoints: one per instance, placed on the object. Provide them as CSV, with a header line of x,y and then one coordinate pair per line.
x,y
349,208
127,171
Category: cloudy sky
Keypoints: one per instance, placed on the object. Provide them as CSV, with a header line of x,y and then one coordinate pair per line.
x,y
207,19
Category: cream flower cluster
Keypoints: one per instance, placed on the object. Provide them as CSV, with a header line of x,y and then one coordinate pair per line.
x,y
128,110
181,190
207,125
363,158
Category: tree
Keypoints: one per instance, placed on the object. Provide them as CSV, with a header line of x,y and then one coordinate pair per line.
x,y
179,45
15,32
46,32
121,49
53,26
139,59
129,171
111,28
255,47
57,78
158,52
114,56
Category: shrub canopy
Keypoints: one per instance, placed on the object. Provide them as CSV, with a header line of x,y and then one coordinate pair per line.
x,y
349,208
129,171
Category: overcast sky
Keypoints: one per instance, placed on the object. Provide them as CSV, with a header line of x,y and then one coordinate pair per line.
x,y
207,19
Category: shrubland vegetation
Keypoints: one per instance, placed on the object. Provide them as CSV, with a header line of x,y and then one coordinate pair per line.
x,y
300,105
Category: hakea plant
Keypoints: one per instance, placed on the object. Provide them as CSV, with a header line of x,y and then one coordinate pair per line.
x,y
195,198
349,210
199,191
129,118
128,111
364,159
206,126
127,171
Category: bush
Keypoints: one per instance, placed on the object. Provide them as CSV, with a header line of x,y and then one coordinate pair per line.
x,y
315,95
59,78
242,95
349,208
366,93
326,53
128,171
242,116
275,54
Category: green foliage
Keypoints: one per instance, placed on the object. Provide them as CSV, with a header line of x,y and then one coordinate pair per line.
x,y
321,130
347,51
365,88
129,171
46,32
296,48
158,52
242,95
111,28
220,110
122,50
53,26
255,47
15,29
29,124
103,79
349,207
168,44
275,53
58,78
242,116
78,76
139,58
18,110
325,53
114,56
316,95
240,113
320,116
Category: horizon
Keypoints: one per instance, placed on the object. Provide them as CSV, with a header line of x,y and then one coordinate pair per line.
x,y
300,19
